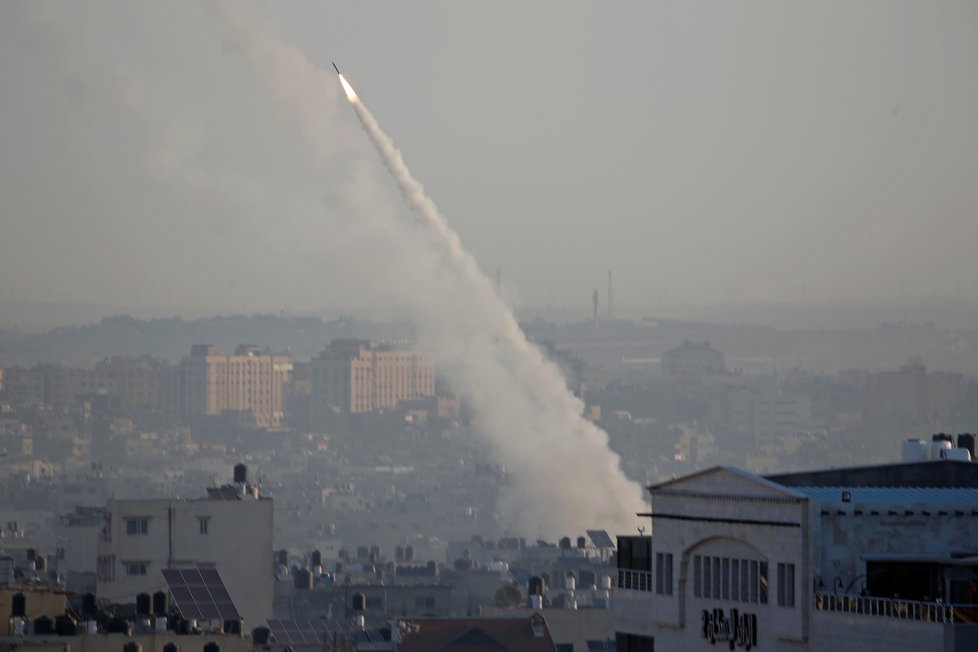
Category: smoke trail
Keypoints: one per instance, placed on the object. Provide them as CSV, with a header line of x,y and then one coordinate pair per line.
x,y
563,461
563,476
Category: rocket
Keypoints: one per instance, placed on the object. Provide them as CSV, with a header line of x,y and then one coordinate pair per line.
x,y
350,93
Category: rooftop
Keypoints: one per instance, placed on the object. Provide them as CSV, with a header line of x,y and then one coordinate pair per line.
x,y
936,474
904,497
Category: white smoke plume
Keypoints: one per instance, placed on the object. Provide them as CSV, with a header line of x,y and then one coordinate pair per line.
x,y
563,475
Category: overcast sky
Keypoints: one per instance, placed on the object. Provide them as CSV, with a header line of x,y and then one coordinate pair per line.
x,y
706,152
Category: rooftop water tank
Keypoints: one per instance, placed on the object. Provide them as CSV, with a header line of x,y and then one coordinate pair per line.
x,y
958,454
937,446
914,450
967,440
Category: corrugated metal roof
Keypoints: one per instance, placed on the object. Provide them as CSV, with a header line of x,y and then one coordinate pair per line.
x,y
935,497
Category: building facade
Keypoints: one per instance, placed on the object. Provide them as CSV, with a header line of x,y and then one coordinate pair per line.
x,y
250,382
230,530
872,558
353,376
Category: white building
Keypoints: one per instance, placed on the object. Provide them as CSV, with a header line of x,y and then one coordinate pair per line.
x,y
871,558
230,530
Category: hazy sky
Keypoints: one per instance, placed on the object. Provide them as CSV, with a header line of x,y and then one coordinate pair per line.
x,y
706,152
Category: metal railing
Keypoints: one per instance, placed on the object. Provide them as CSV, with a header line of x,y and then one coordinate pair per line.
x,y
634,580
934,612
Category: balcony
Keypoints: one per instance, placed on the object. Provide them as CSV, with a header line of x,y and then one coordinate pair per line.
x,y
934,612
634,580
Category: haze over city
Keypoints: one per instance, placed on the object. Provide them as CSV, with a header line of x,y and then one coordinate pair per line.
x,y
561,326
708,154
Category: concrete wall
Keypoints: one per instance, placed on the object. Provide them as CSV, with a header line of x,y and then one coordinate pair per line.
x,y
726,514
238,544
842,539
837,632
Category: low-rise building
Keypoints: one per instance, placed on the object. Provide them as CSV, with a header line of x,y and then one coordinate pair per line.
x,y
230,530
869,558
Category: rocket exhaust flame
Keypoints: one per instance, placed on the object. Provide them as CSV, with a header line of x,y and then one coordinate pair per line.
x,y
350,93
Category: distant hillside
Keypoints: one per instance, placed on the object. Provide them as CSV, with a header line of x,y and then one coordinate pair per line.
x,y
171,338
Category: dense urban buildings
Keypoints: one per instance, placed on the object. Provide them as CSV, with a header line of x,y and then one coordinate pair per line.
x,y
386,492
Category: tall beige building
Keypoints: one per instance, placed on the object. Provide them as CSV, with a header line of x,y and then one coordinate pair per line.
x,y
354,376
248,381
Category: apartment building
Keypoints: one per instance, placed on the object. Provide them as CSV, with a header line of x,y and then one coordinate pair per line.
x,y
353,376
250,382
229,530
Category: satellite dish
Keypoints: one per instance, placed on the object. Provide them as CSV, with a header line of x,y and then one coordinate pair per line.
x,y
508,597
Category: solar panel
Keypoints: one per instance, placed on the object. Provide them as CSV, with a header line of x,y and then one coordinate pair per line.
x,y
200,594
299,632
600,539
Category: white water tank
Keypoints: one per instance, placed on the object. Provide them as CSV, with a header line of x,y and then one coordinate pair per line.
x,y
937,448
606,582
959,454
915,450
497,566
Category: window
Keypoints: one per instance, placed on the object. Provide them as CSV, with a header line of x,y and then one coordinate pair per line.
x,y
663,573
735,580
725,577
697,576
753,581
137,526
203,522
716,578
706,577
744,580
634,643
635,563
424,602
786,585
136,567
763,582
